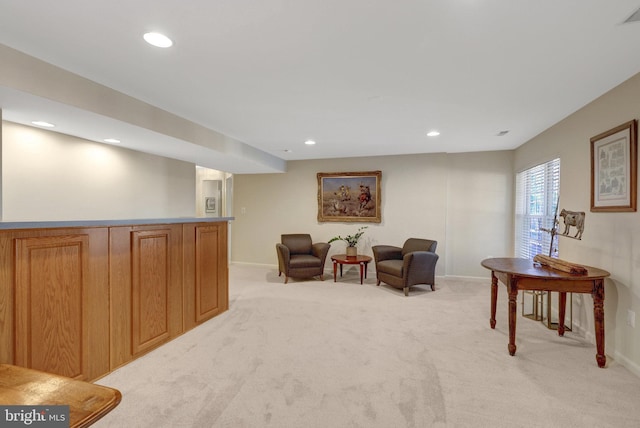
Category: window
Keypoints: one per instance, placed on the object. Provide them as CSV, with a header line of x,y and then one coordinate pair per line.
x,y
537,191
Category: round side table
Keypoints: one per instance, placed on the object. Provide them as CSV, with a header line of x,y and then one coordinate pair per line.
x,y
343,259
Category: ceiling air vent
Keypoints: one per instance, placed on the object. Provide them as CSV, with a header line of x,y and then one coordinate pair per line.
x,y
635,17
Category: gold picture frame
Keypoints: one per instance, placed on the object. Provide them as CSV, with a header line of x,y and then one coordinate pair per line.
x,y
349,196
614,169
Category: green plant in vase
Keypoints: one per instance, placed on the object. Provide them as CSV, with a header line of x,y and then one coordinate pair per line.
x,y
351,240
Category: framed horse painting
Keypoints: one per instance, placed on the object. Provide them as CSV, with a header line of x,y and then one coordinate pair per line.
x,y
349,196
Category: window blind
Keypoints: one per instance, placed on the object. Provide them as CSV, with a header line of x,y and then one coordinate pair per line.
x,y
537,191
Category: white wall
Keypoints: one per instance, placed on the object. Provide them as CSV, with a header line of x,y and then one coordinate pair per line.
x,y
48,176
479,210
463,201
611,241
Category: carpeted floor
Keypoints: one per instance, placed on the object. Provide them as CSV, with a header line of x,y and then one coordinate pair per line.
x,y
324,354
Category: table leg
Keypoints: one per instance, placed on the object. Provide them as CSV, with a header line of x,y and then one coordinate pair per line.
x,y
513,306
365,269
494,299
340,270
335,270
562,308
361,271
598,316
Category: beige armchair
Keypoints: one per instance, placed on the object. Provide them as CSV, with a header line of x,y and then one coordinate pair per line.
x,y
298,257
414,263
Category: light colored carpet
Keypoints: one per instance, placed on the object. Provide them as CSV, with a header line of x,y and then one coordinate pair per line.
x,y
324,354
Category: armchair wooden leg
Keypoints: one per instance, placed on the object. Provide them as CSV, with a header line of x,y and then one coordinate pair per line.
x,y
378,283
286,279
406,291
433,287
321,277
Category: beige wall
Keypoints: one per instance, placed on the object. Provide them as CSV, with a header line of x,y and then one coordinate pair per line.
x,y
48,176
461,200
611,241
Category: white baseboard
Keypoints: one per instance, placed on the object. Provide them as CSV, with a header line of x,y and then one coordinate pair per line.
x,y
327,270
621,359
625,362
586,333
263,265
465,278
328,267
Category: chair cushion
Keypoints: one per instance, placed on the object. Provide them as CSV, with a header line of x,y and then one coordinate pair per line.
x,y
392,267
303,261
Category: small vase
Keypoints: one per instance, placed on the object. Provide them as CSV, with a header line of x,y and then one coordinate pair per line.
x,y
352,251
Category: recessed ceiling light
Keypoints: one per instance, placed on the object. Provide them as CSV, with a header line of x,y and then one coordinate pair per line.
x,y
111,140
287,150
433,133
43,124
502,133
309,142
157,39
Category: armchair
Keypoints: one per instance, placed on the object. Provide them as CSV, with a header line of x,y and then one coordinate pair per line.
x,y
414,263
298,257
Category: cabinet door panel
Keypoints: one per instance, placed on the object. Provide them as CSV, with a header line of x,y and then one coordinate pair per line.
x,y
206,272
146,289
207,269
51,280
150,288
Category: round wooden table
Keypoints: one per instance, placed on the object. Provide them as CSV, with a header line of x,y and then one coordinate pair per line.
x,y
343,259
522,274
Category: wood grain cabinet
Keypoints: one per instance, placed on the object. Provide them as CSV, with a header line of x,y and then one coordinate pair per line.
x,y
206,291
55,300
146,288
81,302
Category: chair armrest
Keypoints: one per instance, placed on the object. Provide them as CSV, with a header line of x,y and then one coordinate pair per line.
x,y
284,255
419,266
320,250
386,252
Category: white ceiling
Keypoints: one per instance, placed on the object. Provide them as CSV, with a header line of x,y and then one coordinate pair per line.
x,y
360,77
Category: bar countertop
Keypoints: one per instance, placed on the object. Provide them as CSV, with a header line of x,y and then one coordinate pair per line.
x,y
107,223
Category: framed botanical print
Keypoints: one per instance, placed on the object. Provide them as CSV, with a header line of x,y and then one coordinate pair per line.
x,y
614,169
